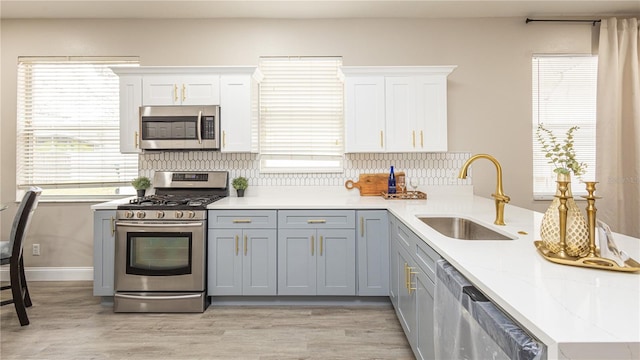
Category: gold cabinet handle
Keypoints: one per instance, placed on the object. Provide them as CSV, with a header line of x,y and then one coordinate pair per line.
x,y
245,245
316,221
381,137
421,139
241,221
361,226
184,93
321,238
224,139
413,137
113,226
135,139
409,283
237,249
406,276
312,245
175,92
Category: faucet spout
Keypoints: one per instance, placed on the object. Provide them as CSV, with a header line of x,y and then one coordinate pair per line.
x,y
500,198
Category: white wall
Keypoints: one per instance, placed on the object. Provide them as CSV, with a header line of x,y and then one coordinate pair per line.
x,y
489,93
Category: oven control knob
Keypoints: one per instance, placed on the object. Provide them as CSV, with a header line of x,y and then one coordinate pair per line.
x,y
191,214
160,214
179,214
128,214
140,214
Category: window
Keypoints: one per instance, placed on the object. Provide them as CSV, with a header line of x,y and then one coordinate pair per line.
x,y
564,95
68,128
301,120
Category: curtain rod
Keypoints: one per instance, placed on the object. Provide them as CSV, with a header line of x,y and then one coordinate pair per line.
x,y
565,20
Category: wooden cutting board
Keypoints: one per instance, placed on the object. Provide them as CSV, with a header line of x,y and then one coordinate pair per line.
x,y
371,184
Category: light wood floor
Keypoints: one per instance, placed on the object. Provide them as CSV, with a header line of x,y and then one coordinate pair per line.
x,y
67,322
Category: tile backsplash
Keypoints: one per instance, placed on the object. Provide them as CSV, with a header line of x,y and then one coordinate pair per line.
x,y
429,168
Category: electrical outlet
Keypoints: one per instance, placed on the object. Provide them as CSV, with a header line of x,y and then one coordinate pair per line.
x,y
36,250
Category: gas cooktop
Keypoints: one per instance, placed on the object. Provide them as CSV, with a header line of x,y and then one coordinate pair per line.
x,y
171,202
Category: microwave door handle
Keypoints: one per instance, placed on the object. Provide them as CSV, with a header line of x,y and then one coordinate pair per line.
x,y
199,127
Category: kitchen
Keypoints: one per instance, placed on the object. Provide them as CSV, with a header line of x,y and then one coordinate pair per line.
x,y
64,230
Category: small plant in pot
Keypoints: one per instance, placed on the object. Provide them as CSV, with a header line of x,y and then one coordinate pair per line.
x,y
141,184
240,184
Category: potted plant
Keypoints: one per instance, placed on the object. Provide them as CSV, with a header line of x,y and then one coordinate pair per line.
x,y
141,184
562,156
240,184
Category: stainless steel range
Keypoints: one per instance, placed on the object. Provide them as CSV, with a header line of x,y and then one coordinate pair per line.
x,y
160,250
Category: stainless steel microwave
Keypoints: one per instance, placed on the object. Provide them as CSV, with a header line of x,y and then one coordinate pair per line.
x,y
192,127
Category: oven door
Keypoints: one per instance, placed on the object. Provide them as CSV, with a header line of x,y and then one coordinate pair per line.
x,y
160,256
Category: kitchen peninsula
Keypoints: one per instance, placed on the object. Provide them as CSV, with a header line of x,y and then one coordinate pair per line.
x,y
578,313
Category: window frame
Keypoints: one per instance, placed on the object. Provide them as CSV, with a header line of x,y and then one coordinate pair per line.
x,y
31,120
582,140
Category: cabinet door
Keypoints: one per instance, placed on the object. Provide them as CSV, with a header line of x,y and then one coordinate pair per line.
x,y
364,114
336,261
235,113
199,90
400,113
130,102
224,262
395,282
259,262
424,348
373,252
431,113
297,262
103,252
406,309
161,90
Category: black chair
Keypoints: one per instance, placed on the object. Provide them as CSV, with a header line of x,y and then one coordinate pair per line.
x,y
11,254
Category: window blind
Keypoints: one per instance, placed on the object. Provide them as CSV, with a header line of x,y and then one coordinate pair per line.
x,y
68,126
301,116
564,95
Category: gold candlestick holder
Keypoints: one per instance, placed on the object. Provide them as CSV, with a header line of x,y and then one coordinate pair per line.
x,y
592,259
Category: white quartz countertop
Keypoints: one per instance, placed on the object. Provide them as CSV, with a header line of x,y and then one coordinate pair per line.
x,y
578,313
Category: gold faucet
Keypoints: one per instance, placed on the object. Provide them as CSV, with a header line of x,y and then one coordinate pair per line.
x,y
500,197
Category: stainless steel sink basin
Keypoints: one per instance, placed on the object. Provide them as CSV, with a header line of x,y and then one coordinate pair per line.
x,y
463,229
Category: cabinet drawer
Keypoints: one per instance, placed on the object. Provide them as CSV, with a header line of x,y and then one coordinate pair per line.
x,y
323,219
426,258
246,219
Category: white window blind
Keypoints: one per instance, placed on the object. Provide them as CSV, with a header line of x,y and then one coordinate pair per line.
x,y
564,95
68,127
301,116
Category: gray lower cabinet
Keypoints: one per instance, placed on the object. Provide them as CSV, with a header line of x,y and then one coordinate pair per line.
x,y
242,253
104,237
412,286
316,252
372,237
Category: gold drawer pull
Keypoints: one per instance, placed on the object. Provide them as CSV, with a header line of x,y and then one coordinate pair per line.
x,y
241,221
316,221
175,93
237,248
135,139
421,139
245,245
184,93
362,226
321,238
113,226
409,287
413,137
312,245
381,136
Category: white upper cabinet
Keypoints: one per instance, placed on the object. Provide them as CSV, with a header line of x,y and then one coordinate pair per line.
x,y
364,114
396,109
235,113
202,89
130,102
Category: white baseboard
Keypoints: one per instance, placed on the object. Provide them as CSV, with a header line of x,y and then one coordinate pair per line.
x,y
53,273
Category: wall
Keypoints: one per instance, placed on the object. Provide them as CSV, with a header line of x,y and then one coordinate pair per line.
x,y
489,93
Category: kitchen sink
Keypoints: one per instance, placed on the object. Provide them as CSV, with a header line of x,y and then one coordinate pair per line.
x,y
462,228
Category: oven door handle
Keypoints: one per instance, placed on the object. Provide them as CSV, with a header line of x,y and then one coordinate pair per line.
x,y
162,225
158,297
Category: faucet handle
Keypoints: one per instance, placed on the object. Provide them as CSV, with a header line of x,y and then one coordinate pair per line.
x,y
503,198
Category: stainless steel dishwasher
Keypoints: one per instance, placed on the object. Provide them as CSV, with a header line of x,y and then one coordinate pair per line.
x,y
469,326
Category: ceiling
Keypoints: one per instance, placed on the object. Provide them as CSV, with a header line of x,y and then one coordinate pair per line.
x,y
308,9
